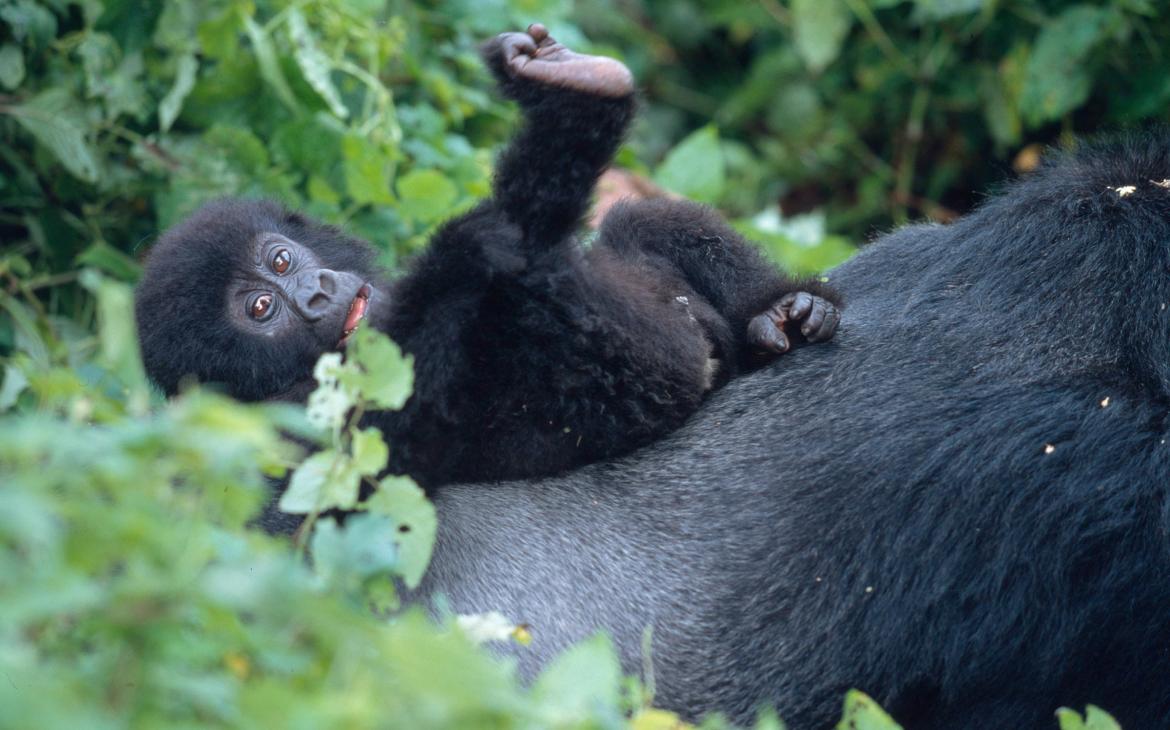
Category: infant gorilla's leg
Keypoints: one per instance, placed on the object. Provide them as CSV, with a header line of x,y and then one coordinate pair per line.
x,y
763,307
576,109
535,56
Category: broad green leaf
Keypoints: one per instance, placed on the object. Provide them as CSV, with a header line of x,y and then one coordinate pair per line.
x,y
695,168
415,524
362,548
110,260
326,480
177,24
321,192
11,66
219,36
269,63
54,119
1094,719
172,103
933,10
380,373
15,382
367,170
654,719
583,680
1057,79
425,195
999,110
819,28
242,149
29,20
369,451
117,335
315,65
862,713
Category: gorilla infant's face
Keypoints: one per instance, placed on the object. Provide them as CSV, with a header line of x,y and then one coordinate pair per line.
x,y
289,288
247,295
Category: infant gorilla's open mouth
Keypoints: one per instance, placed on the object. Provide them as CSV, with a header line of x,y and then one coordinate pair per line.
x,y
357,311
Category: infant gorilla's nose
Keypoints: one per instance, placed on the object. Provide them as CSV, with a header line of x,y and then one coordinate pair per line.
x,y
317,293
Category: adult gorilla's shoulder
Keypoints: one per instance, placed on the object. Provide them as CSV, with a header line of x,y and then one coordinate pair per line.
x,y
959,505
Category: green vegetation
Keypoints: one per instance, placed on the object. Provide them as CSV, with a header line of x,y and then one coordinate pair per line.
x,y
134,592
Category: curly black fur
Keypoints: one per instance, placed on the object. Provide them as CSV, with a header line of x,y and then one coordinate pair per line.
x,y
532,354
960,505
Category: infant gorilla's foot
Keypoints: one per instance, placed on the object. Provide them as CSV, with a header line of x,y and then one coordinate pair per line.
x,y
816,317
535,56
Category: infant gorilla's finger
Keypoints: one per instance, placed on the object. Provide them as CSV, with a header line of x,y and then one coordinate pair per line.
x,y
802,303
763,333
815,318
827,327
538,32
518,49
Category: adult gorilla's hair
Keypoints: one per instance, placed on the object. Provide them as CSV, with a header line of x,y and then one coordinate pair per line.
x,y
185,335
960,505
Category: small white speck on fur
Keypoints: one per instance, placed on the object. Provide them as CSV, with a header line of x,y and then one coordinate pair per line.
x,y
1105,402
1124,190
1049,448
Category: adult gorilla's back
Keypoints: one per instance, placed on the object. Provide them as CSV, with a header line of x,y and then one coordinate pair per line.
x,y
959,505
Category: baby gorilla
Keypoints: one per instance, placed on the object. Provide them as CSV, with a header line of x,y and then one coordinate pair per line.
x,y
532,353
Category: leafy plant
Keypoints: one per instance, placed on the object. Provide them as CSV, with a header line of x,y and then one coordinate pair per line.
x,y
882,110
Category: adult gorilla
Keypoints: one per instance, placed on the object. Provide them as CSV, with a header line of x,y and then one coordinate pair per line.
x,y
959,505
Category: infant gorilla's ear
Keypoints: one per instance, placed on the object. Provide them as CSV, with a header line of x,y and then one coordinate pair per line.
x,y
246,295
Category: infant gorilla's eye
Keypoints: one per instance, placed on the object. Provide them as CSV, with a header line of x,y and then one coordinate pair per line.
x,y
261,307
281,261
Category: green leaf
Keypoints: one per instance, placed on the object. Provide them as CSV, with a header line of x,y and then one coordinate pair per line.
x,y
315,65
54,119
862,713
172,103
117,335
110,260
819,28
999,110
326,480
15,383
321,192
219,37
367,170
380,372
935,10
269,64
415,524
1094,719
425,195
28,20
363,548
1057,78
369,451
11,66
695,168
579,682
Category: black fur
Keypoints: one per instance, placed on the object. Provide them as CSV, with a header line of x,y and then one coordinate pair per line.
x,y
959,505
532,354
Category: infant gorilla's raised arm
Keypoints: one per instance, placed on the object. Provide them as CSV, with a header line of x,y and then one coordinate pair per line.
x,y
532,354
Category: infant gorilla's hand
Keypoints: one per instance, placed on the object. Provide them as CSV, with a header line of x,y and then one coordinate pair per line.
x,y
816,317
535,56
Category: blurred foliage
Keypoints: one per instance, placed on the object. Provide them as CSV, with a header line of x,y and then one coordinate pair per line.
x,y
881,110
134,592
